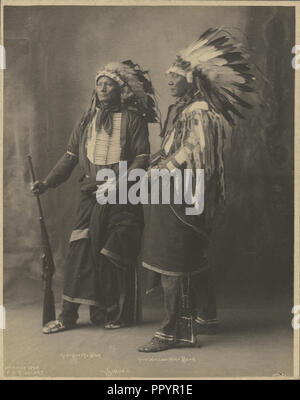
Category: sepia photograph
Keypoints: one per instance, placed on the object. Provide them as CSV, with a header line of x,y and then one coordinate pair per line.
x,y
149,198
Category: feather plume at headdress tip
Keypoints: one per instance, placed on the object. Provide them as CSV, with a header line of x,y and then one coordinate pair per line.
x,y
223,70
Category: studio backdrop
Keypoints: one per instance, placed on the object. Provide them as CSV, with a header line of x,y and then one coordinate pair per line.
x,y
53,54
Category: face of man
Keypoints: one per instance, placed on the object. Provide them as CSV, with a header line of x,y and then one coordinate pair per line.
x,y
178,84
108,91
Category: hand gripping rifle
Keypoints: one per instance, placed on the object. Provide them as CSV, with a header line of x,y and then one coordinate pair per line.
x,y
48,267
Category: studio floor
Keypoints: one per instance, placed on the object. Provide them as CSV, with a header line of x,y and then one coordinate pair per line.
x,y
255,340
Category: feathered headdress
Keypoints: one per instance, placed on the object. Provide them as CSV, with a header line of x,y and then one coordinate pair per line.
x,y
137,91
217,65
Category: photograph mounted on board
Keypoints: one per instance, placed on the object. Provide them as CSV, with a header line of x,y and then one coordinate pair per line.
x,y
148,191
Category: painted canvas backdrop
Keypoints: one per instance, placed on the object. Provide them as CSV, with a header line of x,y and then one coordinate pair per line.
x,y
53,54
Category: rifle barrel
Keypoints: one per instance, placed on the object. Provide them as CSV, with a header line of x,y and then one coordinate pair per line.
x,y
48,263
33,180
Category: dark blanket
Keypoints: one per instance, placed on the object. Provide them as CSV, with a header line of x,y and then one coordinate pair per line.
x,y
102,265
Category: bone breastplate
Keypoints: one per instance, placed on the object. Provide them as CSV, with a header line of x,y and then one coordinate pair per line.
x,y
102,148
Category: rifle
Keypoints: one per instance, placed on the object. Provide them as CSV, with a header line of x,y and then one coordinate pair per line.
x,y
48,266
185,324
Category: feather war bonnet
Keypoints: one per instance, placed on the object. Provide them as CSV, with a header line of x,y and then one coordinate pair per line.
x,y
218,68
137,91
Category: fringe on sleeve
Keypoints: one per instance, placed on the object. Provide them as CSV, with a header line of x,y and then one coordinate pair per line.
x,y
206,130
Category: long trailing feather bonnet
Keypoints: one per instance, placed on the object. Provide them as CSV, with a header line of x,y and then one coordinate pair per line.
x,y
137,92
216,66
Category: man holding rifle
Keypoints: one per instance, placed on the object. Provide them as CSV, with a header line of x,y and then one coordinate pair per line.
x,y
105,240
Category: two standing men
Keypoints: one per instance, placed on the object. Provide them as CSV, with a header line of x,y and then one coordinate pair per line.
x,y
207,79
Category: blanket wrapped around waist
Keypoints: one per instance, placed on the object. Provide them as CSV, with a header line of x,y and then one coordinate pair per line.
x,y
114,229
108,232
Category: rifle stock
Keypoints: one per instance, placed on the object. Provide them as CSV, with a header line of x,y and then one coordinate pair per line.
x,y
48,267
